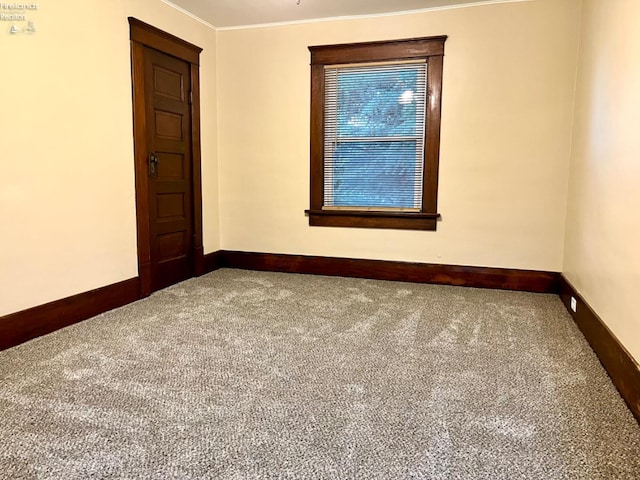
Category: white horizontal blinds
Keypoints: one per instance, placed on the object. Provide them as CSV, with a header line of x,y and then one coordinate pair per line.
x,y
374,127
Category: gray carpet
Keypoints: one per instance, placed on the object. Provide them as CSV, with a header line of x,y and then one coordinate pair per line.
x,y
248,375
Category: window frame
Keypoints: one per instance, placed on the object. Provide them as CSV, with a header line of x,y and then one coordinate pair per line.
x,y
430,49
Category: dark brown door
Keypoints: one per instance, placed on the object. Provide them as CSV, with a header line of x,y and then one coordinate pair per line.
x,y
168,128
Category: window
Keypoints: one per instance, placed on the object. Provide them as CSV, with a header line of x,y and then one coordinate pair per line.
x,y
375,134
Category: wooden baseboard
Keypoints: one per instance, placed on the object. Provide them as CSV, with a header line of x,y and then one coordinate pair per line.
x,y
213,261
480,277
19,327
617,361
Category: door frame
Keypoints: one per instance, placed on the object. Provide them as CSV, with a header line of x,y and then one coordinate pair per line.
x,y
141,35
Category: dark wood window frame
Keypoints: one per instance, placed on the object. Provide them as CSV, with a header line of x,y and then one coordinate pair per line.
x,y
431,49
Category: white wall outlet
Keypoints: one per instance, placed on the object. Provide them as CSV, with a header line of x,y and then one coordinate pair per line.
x,y
574,304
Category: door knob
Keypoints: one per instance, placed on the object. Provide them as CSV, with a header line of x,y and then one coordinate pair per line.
x,y
153,165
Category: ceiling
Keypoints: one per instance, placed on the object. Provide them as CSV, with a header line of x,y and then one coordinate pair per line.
x,y
234,13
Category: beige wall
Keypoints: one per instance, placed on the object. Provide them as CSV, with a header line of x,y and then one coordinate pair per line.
x,y
509,77
602,250
67,202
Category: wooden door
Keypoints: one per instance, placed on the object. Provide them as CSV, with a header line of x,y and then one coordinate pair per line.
x,y
167,157
167,87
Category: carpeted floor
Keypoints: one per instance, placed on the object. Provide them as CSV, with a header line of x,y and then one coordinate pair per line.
x,y
248,375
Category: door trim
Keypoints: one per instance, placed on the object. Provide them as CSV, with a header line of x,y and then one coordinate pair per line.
x,y
141,35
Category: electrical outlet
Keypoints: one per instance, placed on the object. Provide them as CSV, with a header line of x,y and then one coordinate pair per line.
x,y
574,304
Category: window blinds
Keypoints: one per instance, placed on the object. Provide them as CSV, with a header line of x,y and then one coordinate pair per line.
x,y
374,126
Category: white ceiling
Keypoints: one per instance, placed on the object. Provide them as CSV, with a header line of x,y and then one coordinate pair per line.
x,y
233,13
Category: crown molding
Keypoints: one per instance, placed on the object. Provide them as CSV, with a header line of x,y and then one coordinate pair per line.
x,y
333,19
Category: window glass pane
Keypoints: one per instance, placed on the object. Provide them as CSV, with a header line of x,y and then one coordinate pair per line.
x,y
374,135
379,101
374,174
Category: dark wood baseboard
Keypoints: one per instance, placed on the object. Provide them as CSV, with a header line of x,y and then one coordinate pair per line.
x,y
617,361
213,261
480,277
19,327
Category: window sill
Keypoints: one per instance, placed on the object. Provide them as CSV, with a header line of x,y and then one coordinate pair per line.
x,y
368,219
